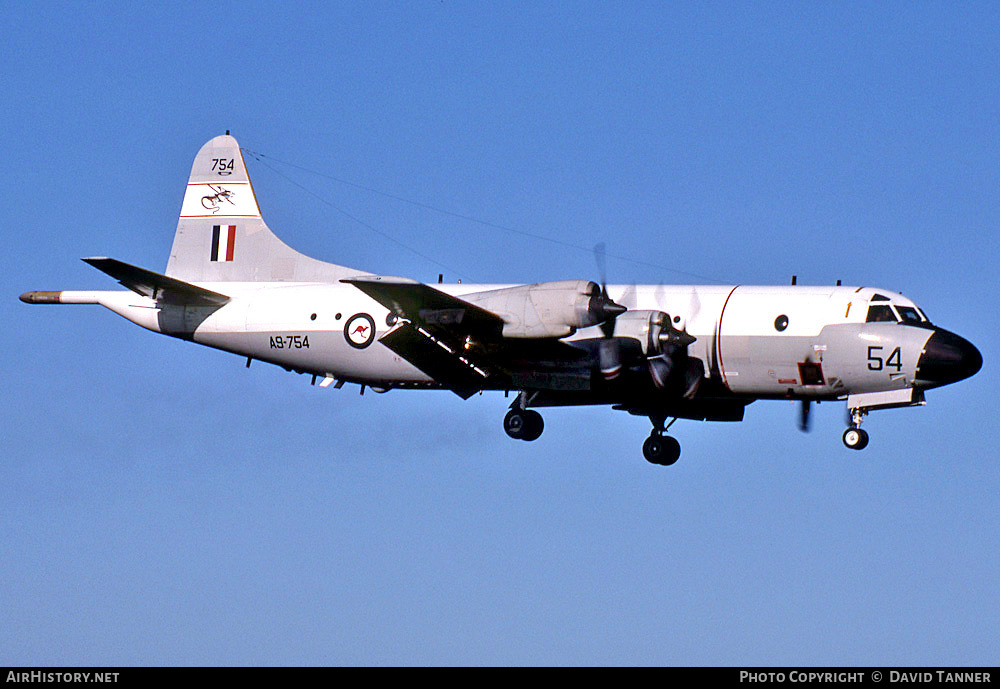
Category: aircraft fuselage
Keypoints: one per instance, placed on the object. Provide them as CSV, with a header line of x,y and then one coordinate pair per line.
x,y
793,342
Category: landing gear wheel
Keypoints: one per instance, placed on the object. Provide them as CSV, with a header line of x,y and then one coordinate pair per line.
x,y
663,450
855,438
533,425
523,424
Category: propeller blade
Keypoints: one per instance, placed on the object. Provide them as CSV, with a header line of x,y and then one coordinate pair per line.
x,y
601,256
804,416
610,358
602,308
694,305
660,368
630,297
659,295
693,376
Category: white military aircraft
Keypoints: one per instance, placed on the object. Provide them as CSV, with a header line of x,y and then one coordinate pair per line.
x,y
666,352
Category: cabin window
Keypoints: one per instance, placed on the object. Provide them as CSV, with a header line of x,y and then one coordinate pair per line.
x,y
880,313
780,323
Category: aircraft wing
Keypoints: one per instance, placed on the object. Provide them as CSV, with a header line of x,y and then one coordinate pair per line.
x,y
160,287
461,345
430,308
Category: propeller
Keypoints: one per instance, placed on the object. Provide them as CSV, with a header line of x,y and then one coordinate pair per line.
x,y
673,359
670,366
673,345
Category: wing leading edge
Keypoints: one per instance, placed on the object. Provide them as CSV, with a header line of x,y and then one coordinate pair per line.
x,y
430,308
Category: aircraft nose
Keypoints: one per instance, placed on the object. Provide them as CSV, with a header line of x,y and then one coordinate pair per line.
x,y
948,358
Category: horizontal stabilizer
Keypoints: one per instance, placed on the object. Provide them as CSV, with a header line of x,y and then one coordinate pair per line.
x,y
155,286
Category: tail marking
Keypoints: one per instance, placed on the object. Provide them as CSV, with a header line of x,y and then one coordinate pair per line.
x,y
219,199
223,242
228,199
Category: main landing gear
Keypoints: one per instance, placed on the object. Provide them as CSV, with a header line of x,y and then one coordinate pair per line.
x,y
660,448
521,423
854,437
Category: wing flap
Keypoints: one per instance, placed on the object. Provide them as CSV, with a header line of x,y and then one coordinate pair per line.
x,y
156,286
444,365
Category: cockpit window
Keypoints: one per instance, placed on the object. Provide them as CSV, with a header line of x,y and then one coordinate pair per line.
x,y
880,313
909,314
879,297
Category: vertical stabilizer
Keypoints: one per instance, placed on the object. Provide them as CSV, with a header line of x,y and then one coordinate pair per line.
x,y
221,236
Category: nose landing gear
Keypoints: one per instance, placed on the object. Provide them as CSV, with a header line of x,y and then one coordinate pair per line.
x,y
854,437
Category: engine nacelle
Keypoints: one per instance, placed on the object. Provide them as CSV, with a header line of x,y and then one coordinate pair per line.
x,y
644,326
547,309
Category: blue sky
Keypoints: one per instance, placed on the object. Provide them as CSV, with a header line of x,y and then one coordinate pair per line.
x,y
160,504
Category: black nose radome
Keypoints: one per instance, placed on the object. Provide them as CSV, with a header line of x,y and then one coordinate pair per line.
x,y
948,358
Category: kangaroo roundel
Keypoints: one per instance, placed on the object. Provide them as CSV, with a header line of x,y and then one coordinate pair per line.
x,y
359,331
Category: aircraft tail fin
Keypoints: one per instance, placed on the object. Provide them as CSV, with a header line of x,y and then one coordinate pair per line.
x,y
221,236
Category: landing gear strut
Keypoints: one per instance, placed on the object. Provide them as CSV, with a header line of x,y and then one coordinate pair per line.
x,y
854,437
521,423
659,448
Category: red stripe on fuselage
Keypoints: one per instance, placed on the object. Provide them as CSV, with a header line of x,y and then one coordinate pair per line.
x,y
718,339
